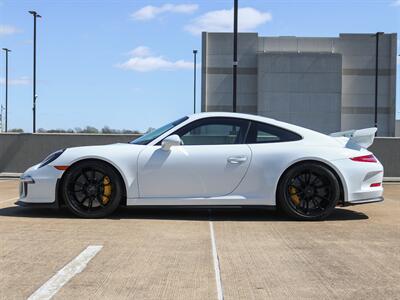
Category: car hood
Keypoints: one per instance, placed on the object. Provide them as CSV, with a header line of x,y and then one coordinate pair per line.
x,y
110,153
107,147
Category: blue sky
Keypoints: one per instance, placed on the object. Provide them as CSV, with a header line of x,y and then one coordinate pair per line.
x,y
128,63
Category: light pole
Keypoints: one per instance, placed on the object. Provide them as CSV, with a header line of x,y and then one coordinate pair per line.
x,y
6,116
194,81
1,117
376,78
235,62
35,16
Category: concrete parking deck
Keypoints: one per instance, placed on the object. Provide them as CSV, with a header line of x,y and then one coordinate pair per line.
x,y
167,254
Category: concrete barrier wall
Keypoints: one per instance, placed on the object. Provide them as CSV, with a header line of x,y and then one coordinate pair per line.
x,y
20,151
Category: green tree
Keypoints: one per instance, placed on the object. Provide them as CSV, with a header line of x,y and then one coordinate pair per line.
x,y
90,129
20,130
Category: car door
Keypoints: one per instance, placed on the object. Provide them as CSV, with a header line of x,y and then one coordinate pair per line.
x,y
212,162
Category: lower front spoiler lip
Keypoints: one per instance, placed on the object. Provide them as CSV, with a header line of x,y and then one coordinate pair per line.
x,y
54,205
364,201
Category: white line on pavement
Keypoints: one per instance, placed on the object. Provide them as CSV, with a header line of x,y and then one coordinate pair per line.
x,y
55,283
7,200
216,263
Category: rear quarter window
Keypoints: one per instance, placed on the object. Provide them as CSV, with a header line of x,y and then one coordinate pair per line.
x,y
261,133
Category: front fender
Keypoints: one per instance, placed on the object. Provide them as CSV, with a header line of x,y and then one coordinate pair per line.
x,y
123,157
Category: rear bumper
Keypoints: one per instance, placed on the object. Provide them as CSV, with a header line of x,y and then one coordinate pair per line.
x,y
362,181
364,201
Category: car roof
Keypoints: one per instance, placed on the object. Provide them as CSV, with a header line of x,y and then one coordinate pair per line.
x,y
231,115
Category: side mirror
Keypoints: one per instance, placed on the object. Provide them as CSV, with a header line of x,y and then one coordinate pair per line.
x,y
170,141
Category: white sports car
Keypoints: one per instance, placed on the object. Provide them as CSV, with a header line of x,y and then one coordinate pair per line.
x,y
213,159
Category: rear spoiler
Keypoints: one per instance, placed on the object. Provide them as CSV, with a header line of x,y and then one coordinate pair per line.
x,y
362,137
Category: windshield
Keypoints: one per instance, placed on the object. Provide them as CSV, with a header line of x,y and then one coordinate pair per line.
x,y
148,137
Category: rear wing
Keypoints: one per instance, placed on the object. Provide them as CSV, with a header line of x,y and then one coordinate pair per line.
x,y
362,137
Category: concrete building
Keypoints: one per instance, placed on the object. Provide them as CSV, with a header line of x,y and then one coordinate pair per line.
x,y
326,84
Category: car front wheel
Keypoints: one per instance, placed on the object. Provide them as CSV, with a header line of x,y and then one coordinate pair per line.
x,y
92,189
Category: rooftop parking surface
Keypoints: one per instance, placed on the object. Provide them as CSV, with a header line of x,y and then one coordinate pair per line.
x,y
202,254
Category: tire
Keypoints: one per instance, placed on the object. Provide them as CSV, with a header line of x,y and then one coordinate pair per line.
x,y
92,189
308,191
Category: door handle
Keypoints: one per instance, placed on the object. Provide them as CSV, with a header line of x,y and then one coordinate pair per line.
x,y
237,159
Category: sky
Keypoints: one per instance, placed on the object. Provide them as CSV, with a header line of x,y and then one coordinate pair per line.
x,y
128,64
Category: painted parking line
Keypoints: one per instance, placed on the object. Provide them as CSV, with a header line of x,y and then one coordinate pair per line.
x,y
55,283
217,270
8,200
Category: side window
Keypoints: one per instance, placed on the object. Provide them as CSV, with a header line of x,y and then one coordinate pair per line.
x,y
214,131
265,133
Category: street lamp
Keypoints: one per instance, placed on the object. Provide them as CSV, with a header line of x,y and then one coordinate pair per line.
x,y
235,46
194,81
35,16
1,117
376,77
6,116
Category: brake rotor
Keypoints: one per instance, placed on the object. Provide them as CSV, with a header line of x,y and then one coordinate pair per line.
x,y
106,190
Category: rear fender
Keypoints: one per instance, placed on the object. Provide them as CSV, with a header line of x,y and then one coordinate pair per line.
x,y
331,166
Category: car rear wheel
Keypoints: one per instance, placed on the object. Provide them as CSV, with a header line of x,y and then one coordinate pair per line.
x,y
92,189
308,191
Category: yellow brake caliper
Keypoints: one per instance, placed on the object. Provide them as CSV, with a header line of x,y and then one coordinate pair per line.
x,y
107,190
293,195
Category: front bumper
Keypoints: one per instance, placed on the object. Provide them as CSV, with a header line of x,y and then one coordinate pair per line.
x,y
39,185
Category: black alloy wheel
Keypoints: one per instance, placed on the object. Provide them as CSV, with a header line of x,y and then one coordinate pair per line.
x,y
92,189
308,191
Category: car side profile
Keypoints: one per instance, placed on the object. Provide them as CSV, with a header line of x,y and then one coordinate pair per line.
x,y
213,159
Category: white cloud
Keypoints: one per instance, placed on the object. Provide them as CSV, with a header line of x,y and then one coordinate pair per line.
x,y
395,3
24,80
141,51
222,20
8,30
153,63
150,12
142,60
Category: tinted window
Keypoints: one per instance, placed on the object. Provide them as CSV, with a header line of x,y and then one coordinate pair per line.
x,y
214,131
265,133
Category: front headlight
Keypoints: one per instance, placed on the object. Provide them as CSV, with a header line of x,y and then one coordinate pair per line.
x,y
51,158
